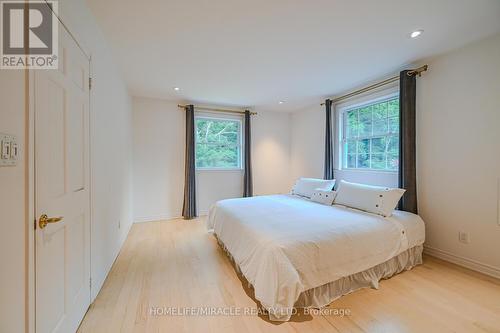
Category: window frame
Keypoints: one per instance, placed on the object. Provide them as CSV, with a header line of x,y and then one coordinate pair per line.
x,y
240,144
343,109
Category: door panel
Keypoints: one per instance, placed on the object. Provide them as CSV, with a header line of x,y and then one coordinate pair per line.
x,y
76,154
52,167
50,314
62,190
75,235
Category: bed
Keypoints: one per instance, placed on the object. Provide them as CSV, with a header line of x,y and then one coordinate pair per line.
x,y
298,253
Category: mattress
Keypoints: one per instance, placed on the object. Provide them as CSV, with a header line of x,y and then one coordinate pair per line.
x,y
412,225
285,245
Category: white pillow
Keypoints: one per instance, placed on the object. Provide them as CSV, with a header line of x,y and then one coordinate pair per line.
x,y
374,199
306,186
323,196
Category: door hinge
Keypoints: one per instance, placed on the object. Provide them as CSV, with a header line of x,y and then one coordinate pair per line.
x,y
34,225
90,83
90,283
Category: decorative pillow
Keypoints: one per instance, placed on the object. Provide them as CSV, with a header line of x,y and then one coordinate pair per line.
x,y
306,186
323,196
374,199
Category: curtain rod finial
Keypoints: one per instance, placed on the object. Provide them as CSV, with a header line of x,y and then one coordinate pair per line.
x,y
424,69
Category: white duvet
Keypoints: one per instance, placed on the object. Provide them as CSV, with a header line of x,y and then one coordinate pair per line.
x,y
285,245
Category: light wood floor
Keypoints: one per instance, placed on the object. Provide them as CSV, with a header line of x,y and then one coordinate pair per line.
x,y
177,264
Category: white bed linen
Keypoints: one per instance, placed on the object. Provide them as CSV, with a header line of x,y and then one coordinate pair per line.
x,y
285,244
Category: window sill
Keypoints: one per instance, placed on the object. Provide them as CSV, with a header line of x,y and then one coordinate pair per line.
x,y
384,172
219,169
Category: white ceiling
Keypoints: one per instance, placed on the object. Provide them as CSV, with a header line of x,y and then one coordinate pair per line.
x,y
255,53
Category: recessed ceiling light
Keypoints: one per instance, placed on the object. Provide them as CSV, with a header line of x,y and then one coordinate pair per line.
x,y
416,33
281,102
177,88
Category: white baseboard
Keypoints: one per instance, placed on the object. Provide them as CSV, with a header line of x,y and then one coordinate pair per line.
x,y
464,262
155,218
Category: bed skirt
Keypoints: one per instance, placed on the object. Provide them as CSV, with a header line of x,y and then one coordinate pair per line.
x,y
324,295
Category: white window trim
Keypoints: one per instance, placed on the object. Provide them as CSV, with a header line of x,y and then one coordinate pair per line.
x,y
228,117
340,109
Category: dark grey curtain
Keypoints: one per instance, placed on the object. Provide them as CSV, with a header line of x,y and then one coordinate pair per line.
x,y
189,206
328,169
247,178
407,142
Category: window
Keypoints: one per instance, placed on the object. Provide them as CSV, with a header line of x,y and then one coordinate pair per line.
x,y
218,143
370,136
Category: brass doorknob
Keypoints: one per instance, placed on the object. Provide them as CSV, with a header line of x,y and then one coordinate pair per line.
x,y
44,220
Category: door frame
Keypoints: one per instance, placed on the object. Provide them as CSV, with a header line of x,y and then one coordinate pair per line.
x,y
30,213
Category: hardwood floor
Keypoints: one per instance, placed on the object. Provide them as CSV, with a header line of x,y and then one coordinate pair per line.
x,y
177,264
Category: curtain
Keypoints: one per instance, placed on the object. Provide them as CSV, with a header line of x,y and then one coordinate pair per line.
x,y
328,169
407,142
247,178
189,205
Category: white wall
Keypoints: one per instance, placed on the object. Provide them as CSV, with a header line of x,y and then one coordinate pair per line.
x,y
158,155
458,157
111,169
111,143
13,217
271,152
308,142
458,126
159,161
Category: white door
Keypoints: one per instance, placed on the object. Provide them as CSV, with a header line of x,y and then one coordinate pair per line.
x,y
62,190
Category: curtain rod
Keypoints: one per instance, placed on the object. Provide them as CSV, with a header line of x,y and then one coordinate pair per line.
x,y
416,71
218,110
